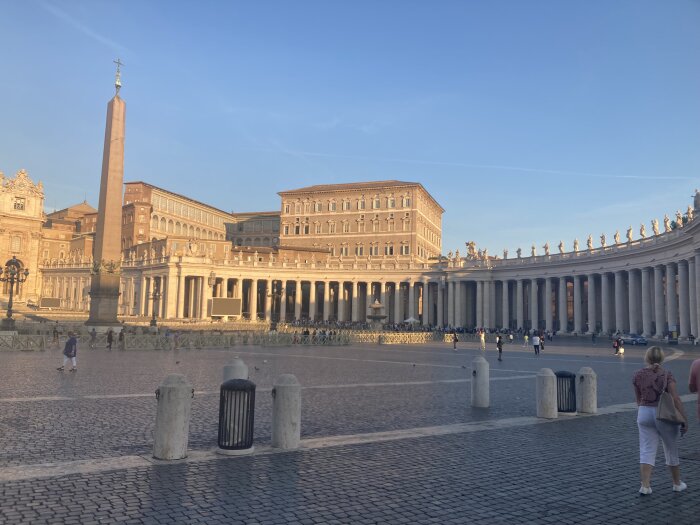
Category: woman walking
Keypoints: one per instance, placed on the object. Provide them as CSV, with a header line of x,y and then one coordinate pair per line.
x,y
649,383
70,351
499,346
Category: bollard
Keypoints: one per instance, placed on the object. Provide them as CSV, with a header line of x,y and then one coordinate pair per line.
x,y
286,412
587,391
547,394
236,370
174,397
480,383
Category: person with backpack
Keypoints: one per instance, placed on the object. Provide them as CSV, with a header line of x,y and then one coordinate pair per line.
x,y
70,351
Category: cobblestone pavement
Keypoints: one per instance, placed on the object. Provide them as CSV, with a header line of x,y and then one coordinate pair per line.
x,y
581,470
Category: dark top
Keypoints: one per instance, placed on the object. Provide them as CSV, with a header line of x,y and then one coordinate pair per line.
x,y
71,348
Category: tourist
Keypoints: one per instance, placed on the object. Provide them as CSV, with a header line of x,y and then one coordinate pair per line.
x,y
694,382
525,339
93,338
648,385
120,338
510,338
110,338
455,340
482,339
70,351
499,347
536,343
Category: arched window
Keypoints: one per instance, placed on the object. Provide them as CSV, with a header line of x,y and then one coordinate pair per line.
x,y
163,224
171,226
178,228
154,223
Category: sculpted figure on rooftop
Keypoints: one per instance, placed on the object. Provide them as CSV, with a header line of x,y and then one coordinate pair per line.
x,y
667,223
576,245
642,231
616,237
689,212
561,246
655,226
589,242
519,252
546,248
505,253
602,240
679,219
629,234
533,251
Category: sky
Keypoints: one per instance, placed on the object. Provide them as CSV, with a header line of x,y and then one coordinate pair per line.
x,y
528,121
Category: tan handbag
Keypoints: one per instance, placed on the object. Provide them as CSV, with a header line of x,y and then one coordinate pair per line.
x,y
666,409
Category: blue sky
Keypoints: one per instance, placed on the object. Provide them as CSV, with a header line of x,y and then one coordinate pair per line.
x,y
529,121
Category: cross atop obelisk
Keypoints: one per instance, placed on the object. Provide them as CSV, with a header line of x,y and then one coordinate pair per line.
x,y
118,76
104,286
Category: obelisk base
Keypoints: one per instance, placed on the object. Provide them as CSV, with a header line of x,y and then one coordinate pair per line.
x,y
104,300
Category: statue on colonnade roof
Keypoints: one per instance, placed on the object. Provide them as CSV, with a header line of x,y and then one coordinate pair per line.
x,y
655,226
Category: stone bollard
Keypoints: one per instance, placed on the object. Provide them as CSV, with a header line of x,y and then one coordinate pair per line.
x,y
236,370
286,412
547,394
587,391
480,382
172,430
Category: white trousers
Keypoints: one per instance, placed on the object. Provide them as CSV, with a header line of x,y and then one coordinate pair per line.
x,y
71,359
650,430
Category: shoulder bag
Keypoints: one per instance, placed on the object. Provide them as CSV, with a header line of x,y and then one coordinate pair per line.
x,y
666,409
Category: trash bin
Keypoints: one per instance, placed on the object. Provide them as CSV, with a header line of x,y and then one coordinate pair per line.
x,y
566,391
236,415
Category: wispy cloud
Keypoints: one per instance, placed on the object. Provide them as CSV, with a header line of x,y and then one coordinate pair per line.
x,y
87,31
495,167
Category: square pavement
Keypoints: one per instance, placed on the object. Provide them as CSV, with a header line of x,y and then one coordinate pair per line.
x,y
388,434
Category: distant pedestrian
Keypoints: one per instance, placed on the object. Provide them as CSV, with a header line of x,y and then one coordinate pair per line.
x,y
455,340
120,339
499,346
93,338
482,339
649,383
70,351
525,340
536,343
593,338
510,338
110,338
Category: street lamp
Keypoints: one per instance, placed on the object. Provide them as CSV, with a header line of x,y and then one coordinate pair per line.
x,y
276,294
12,275
156,297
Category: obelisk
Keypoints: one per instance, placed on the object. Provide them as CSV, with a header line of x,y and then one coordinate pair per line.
x,y
106,252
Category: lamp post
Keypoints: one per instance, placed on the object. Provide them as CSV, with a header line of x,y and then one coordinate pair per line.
x,y
13,276
275,295
156,297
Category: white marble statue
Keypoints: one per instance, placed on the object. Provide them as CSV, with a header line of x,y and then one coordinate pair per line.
x,y
616,237
655,226
689,213
629,234
561,246
533,251
485,254
546,248
679,219
575,245
505,253
602,240
519,252
642,231
589,242
667,223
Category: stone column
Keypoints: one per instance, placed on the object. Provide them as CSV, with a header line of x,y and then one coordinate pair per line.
x,y
341,301
354,302
578,305
479,304
326,299
634,299
426,302
505,306
313,291
297,299
254,299
180,305
548,310
369,297
592,300
459,303
534,304
519,316
440,304
397,300
693,297
659,307
671,301
450,303
488,304
684,299
268,300
283,301
142,298
411,299
382,298
646,303
620,301
563,307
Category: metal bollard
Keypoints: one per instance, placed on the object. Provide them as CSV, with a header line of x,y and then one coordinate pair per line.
x,y
480,382
171,435
547,394
587,391
236,370
286,412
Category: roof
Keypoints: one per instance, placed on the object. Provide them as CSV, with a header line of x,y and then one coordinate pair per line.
x,y
180,196
81,208
354,186
246,214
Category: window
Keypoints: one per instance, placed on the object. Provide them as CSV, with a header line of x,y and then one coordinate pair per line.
x,y
19,203
16,243
344,251
376,203
361,204
406,202
374,250
390,225
332,206
375,225
297,229
346,205
297,208
359,250
405,249
391,202
307,207
406,225
306,229
317,228
318,207
346,227
286,229
331,227
287,208
389,249
361,227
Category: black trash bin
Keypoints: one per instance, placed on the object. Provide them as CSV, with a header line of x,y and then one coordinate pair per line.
x,y
566,391
236,414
